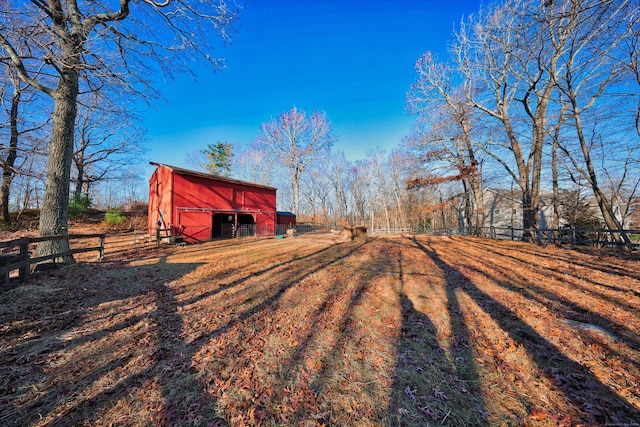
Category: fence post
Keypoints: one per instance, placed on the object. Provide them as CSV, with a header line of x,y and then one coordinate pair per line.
x,y
572,238
101,250
158,237
25,267
539,236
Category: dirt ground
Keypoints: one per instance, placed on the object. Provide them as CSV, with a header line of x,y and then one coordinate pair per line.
x,y
310,330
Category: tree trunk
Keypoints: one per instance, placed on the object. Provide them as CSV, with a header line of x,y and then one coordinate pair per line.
x,y
77,193
528,216
7,168
55,202
295,188
475,182
479,202
442,214
386,213
536,176
529,206
605,208
468,208
556,189
401,215
85,188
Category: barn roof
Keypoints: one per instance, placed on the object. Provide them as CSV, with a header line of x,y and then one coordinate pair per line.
x,y
182,171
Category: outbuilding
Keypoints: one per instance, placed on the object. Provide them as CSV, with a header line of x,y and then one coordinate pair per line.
x,y
200,207
286,220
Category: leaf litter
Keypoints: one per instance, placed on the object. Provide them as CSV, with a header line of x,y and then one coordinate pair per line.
x,y
312,331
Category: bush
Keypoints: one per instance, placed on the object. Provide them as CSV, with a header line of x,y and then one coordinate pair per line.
x,y
114,217
78,207
139,207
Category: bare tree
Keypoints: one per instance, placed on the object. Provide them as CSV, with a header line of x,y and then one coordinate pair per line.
x,y
358,185
632,44
104,144
339,180
316,191
594,66
297,140
555,162
28,185
398,168
508,57
65,47
444,131
254,164
8,161
623,182
23,134
379,185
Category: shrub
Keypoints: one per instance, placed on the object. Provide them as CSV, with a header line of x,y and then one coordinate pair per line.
x,y
139,207
78,207
114,217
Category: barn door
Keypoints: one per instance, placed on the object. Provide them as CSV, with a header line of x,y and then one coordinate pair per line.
x,y
197,225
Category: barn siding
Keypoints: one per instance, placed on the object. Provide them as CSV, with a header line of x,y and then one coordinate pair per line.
x,y
191,199
160,195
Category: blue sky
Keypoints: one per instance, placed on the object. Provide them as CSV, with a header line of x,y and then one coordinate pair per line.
x,y
351,59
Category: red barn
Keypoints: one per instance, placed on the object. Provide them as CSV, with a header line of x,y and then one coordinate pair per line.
x,y
201,207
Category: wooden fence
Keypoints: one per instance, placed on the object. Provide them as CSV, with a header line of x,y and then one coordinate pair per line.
x,y
565,236
600,237
21,259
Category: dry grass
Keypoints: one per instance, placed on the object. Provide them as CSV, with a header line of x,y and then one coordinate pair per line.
x,y
311,331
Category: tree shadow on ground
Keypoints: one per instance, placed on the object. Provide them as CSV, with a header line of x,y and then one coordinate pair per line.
x,y
80,361
597,258
578,308
435,383
341,359
569,262
597,403
143,357
246,333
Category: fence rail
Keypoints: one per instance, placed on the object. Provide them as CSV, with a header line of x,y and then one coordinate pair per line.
x,y
21,260
15,255
568,236
227,231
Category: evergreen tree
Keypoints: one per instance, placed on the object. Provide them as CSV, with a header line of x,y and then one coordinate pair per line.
x,y
218,158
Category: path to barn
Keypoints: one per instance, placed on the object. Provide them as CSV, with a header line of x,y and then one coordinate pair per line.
x,y
312,331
